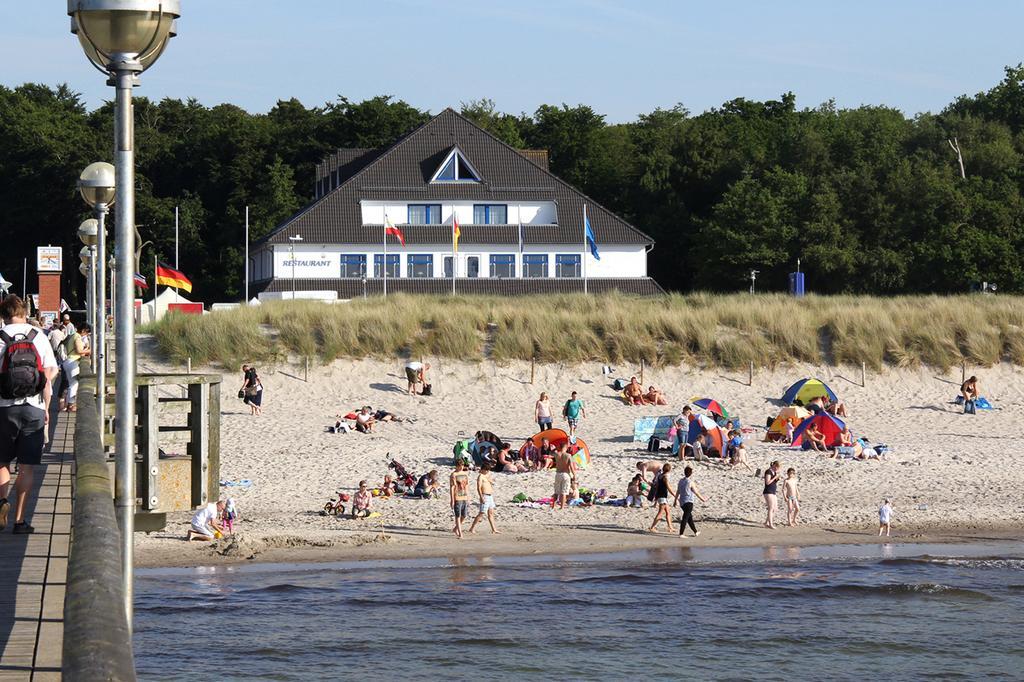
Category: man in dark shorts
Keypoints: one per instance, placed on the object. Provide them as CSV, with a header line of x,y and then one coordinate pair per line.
x,y
22,420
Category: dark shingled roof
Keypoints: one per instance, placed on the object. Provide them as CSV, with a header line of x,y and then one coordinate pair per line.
x,y
489,286
403,171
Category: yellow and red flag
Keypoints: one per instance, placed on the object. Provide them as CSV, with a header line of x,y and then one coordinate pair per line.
x,y
169,277
456,233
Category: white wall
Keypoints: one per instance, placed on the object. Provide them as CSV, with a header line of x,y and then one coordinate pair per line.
x,y
324,261
530,212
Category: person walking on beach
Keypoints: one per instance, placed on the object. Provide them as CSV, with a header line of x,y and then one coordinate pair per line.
x,y
573,411
458,486
542,412
565,472
885,519
252,390
485,490
792,494
771,487
685,493
662,491
25,390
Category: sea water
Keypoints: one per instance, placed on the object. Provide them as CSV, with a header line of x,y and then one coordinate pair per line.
x,y
843,612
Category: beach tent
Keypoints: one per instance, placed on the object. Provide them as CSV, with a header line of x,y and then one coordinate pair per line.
x,y
778,427
475,448
807,390
829,426
579,450
718,437
712,406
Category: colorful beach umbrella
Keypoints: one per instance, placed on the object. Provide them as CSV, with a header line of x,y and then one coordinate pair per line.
x,y
807,390
711,405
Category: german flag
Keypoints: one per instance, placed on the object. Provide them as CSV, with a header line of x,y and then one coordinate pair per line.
x,y
169,277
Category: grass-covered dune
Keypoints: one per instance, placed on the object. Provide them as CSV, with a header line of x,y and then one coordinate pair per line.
x,y
703,329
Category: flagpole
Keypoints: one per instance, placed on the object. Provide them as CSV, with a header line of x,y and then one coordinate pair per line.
x,y
519,220
246,302
455,221
384,265
175,251
583,256
156,288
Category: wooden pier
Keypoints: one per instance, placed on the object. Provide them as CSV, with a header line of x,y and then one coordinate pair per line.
x,y
33,568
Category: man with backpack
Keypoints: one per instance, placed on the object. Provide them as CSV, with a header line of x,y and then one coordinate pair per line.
x,y
27,368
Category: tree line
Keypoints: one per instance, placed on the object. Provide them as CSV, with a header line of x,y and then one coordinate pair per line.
x,y
870,200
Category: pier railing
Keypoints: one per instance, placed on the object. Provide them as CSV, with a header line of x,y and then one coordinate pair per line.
x,y
97,639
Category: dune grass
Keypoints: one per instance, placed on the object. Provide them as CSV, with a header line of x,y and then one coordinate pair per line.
x,y
701,329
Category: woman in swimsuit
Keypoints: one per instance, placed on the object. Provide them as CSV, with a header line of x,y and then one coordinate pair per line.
x,y
771,486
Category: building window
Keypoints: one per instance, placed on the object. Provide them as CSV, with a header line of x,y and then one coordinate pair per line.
x,y
490,214
420,265
455,168
535,265
472,266
447,266
353,265
567,265
503,265
424,214
378,265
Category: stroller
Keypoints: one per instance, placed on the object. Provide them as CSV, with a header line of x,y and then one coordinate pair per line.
x,y
404,479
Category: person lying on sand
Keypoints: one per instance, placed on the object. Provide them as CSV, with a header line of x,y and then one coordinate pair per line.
x,y
835,408
634,393
655,397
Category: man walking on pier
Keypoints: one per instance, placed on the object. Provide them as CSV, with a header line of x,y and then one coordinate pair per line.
x,y
27,368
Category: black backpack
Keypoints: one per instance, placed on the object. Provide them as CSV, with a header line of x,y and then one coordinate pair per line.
x,y
21,370
653,444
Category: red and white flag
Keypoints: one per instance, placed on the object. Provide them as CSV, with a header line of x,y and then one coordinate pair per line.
x,y
392,230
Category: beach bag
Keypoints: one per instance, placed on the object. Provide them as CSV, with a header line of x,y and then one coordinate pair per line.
x,y
653,444
969,407
241,393
427,389
21,370
619,384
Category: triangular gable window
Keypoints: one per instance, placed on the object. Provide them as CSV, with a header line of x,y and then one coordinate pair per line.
x,y
455,168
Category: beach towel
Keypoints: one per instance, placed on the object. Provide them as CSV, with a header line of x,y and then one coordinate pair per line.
x,y
242,483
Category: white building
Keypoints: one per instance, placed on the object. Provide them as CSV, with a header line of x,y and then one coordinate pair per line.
x,y
521,228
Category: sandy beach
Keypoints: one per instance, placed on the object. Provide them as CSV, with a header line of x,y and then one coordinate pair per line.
x,y
950,476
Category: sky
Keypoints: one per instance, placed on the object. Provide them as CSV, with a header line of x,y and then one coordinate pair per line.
x,y
623,58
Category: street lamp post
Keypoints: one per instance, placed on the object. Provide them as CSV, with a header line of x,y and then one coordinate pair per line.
x,y
122,38
96,184
291,247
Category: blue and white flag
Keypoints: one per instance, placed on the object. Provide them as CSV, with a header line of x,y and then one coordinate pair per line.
x,y
589,233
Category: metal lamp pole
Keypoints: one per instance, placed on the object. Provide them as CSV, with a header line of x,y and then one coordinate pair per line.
x,y
97,187
122,38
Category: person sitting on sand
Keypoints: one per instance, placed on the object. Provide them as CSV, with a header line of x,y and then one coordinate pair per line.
x,y
650,468
636,492
362,502
634,393
387,488
365,421
206,522
847,447
547,454
816,404
427,486
655,397
814,439
507,461
737,453
531,455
